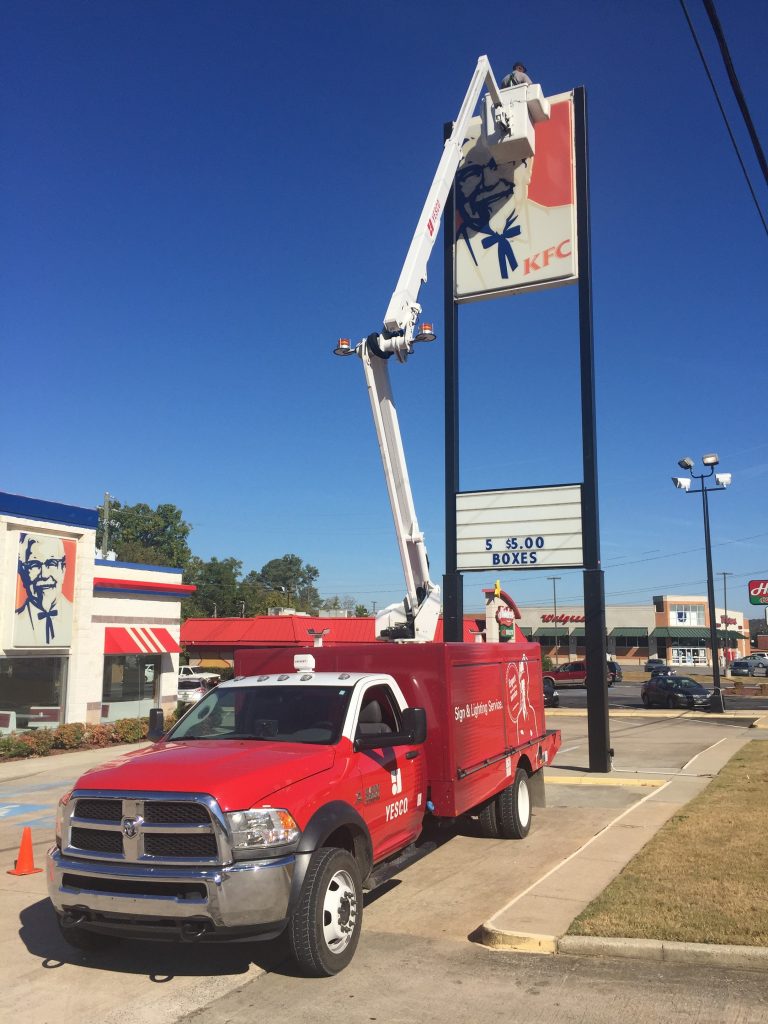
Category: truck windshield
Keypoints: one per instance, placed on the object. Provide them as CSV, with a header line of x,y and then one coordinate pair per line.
x,y
281,714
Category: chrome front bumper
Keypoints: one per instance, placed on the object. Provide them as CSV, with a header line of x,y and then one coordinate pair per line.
x,y
239,896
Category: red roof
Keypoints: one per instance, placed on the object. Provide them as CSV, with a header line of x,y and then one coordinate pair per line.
x,y
288,631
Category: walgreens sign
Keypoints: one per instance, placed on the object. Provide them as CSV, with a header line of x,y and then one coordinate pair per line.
x,y
758,591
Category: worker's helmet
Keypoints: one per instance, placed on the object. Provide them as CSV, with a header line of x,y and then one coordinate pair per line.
x,y
519,64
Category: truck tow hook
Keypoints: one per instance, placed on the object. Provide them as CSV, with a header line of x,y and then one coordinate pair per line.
x,y
193,931
73,918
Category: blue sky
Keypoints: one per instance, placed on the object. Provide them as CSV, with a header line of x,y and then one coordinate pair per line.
x,y
199,198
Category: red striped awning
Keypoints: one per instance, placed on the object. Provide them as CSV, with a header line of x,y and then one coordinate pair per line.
x,y
139,640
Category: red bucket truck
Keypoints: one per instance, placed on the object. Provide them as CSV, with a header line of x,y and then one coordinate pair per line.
x,y
285,792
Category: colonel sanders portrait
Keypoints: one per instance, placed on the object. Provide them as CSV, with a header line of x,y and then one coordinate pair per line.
x,y
43,613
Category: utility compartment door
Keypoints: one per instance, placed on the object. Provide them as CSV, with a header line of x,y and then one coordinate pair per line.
x,y
391,778
478,717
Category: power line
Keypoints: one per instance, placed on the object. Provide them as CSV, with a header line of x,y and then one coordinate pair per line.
x,y
724,115
733,78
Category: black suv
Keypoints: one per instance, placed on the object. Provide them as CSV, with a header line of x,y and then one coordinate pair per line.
x,y
615,675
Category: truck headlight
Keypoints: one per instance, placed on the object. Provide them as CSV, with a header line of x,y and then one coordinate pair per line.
x,y
60,817
262,828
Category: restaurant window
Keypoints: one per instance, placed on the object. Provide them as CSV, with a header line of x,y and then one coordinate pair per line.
x,y
130,685
32,691
686,615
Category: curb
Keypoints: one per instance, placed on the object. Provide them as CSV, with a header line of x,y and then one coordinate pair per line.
x,y
699,716
752,958
577,780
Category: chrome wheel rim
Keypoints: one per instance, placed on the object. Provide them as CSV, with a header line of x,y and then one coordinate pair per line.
x,y
523,803
339,912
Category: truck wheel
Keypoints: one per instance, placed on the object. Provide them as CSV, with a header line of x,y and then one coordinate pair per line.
x,y
489,821
325,927
514,807
88,942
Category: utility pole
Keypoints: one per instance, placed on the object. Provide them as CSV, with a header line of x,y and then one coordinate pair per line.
x,y
727,644
554,602
105,533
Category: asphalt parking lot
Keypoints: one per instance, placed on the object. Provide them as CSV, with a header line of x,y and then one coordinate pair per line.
x,y
443,898
626,695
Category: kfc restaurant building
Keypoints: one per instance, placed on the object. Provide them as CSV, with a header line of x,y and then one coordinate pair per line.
x,y
82,639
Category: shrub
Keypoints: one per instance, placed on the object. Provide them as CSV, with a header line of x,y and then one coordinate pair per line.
x,y
69,736
15,745
128,730
99,735
41,741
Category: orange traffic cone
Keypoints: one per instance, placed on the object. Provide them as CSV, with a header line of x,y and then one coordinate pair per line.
x,y
25,864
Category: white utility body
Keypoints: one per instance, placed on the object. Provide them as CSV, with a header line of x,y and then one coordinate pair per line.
x,y
507,124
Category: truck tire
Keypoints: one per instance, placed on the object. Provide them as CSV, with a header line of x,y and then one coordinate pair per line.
x,y
325,927
87,942
513,806
489,821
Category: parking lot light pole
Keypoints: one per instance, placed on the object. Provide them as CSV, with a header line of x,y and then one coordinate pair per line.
x,y
683,483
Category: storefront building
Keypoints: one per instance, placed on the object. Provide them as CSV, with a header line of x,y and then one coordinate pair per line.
x,y
672,627
81,639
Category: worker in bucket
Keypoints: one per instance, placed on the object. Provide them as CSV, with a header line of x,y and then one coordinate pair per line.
x,y
519,76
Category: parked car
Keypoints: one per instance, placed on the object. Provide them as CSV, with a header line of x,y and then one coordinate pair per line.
x,y
191,690
674,692
615,675
742,667
551,696
653,663
574,673
664,670
758,663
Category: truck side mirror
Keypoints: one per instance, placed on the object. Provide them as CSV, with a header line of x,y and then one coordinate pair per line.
x,y
415,723
156,724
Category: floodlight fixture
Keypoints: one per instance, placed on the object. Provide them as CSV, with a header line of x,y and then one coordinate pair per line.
x,y
711,459
683,483
343,347
723,479
686,463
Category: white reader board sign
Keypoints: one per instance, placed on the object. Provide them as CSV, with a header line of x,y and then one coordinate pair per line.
x,y
525,528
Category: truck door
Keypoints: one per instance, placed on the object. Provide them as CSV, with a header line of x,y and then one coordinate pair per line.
x,y
392,778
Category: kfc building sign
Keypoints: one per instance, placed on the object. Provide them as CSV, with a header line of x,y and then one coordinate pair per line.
x,y
758,591
45,579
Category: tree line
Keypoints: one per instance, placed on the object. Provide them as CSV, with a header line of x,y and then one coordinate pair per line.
x,y
160,536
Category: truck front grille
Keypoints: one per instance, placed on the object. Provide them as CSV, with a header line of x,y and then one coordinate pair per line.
x,y
199,847
98,841
137,828
100,810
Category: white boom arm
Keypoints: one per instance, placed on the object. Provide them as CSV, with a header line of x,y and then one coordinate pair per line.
x,y
507,120
403,310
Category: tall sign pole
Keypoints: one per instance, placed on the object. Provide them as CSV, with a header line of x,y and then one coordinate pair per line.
x,y
594,587
453,587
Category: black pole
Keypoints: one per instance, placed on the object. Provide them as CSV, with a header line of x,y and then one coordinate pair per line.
x,y
594,589
716,703
453,587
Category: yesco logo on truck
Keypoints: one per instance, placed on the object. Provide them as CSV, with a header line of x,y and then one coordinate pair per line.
x,y
758,591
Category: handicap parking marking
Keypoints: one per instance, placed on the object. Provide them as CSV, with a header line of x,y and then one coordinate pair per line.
x,y
8,811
